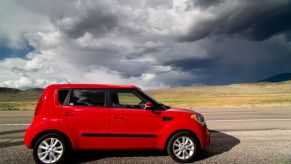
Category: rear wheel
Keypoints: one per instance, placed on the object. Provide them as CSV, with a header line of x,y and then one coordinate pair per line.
x,y
51,148
182,147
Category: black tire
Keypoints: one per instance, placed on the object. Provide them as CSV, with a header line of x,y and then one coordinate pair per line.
x,y
66,147
170,147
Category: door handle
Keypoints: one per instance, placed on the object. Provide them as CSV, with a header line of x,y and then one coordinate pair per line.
x,y
68,114
118,117
167,118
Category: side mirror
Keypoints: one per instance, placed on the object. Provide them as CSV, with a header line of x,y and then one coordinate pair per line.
x,y
149,105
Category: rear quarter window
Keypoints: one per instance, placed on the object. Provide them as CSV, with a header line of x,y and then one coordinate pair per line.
x,y
87,97
62,95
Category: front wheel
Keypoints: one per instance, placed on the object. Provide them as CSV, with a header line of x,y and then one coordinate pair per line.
x,y
182,147
50,148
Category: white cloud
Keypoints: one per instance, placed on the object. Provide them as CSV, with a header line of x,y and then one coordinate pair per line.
x,y
16,20
44,40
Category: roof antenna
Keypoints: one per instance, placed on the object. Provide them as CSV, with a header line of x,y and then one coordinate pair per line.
x,y
67,81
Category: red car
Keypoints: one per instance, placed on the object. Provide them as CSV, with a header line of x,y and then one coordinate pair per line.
x,y
110,117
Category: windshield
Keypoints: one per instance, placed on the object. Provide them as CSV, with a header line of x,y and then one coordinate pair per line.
x,y
156,103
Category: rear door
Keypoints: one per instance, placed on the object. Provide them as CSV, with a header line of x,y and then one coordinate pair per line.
x,y
85,113
131,126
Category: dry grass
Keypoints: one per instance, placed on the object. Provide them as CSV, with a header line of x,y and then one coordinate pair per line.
x,y
230,96
17,105
12,99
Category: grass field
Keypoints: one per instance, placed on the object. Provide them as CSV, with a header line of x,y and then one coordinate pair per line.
x,y
256,95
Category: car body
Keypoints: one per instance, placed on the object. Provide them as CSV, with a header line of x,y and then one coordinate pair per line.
x,y
109,117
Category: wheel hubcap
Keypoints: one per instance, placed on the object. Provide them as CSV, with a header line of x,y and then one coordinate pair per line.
x,y
50,150
183,148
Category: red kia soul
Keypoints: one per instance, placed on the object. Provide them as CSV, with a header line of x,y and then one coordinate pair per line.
x,y
72,117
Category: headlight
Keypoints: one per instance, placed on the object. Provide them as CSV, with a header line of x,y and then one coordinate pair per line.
x,y
199,118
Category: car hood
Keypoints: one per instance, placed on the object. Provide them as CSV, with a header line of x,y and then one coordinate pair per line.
x,y
180,110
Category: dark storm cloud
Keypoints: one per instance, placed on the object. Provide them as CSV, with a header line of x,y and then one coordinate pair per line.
x,y
245,41
75,18
268,26
96,22
190,64
252,19
238,60
204,3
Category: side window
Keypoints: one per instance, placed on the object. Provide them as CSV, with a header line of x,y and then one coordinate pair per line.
x,y
62,95
126,99
87,97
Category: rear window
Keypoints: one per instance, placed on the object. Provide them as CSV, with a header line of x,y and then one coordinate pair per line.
x,y
87,97
62,95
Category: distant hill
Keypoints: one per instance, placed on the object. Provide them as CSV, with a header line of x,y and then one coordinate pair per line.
x,y
10,90
278,78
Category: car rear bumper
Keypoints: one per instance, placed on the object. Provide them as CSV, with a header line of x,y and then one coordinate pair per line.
x,y
28,137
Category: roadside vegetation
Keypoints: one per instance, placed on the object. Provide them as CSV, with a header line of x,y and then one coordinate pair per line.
x,y
15,99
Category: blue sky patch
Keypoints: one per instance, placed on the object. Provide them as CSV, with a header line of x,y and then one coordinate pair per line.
x,y
8,52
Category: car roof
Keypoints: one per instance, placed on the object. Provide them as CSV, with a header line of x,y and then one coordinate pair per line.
x,y
91,86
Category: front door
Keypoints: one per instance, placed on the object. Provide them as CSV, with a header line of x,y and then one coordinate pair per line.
x,y
131,126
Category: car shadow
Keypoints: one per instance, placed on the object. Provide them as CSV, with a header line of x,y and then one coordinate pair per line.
x,y
13,138
88,156
8,144
12,131
220,143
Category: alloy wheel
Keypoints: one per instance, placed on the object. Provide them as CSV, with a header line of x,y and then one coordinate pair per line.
x,y
50,150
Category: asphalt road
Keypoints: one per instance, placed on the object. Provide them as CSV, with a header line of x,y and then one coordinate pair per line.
x,y
238,136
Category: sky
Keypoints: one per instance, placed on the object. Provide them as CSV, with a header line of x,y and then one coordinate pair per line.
x,y
149,43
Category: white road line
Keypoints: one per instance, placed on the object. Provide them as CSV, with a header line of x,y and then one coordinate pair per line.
x,y
14,124
247,120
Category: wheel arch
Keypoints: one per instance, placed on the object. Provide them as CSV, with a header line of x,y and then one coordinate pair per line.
x,y
183,130
66,137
